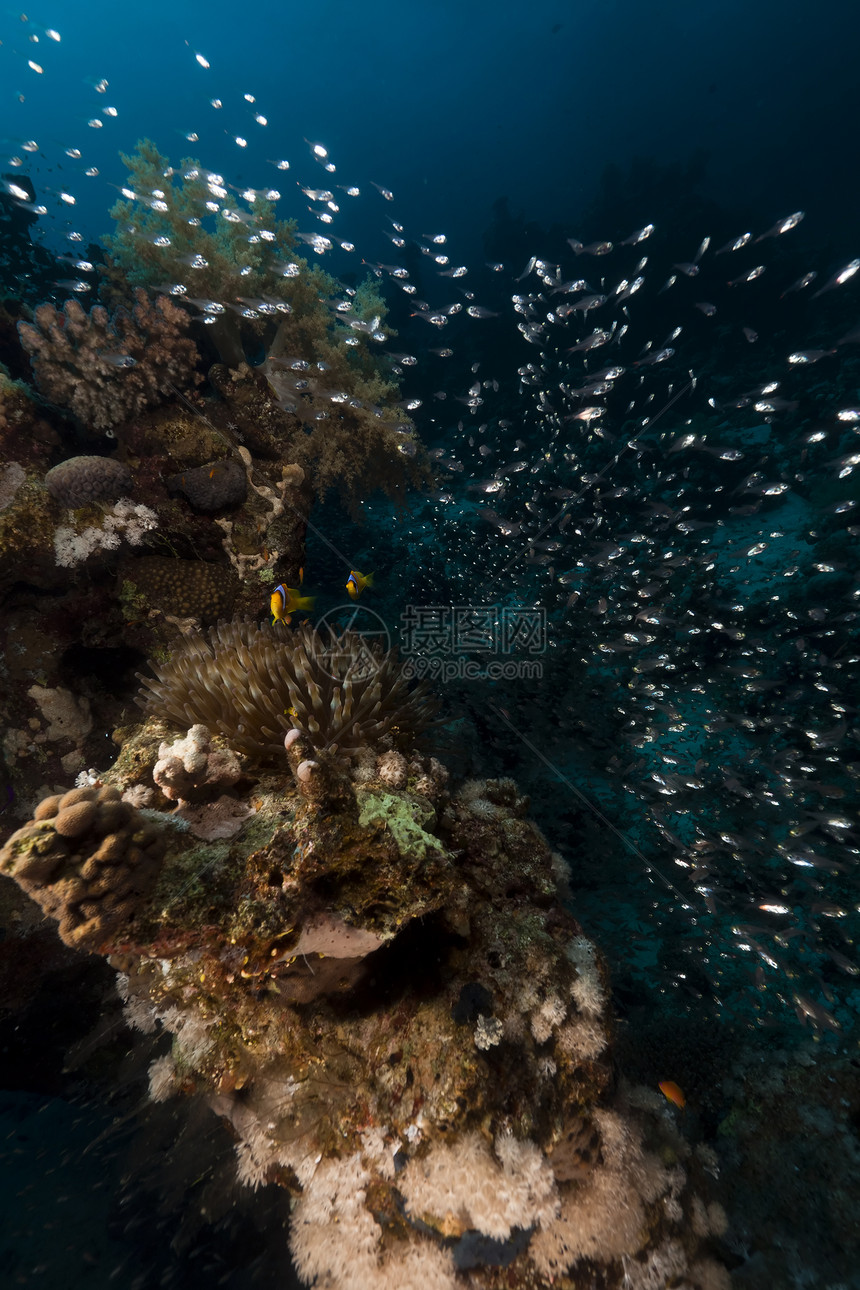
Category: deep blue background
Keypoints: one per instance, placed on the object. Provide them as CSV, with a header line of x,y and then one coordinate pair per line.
x,y
451,104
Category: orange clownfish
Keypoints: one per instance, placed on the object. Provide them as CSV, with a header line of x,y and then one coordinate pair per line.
x,y
670,1090
356,582
285,601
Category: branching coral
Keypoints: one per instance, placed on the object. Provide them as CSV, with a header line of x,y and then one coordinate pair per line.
x,y
252,683
106,368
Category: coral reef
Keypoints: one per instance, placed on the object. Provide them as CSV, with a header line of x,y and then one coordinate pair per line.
x,y
28,442
178,588
380,994
89,860
105,368
322,392
348,445
252,683
81,481
12,477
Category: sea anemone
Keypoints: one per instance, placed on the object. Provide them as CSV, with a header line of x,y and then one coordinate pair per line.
x,y
252,682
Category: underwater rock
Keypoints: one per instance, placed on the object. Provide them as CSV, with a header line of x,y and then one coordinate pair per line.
x,y
68,717
384,998
212,487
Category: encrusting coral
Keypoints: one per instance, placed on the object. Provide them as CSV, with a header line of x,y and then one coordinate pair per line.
x,y
105,367
253,682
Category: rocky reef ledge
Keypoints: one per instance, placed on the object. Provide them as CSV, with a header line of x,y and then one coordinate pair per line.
x,y
377,985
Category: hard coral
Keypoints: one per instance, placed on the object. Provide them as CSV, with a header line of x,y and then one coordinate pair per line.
x,y
89,860
183,588
106,368
191,770
252,683
80,481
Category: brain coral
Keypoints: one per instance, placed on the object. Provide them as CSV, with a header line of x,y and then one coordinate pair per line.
x,y
89,859
254,682
80,481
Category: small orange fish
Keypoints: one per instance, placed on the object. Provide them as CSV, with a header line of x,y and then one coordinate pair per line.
x,y
670,1090
356,582
285,601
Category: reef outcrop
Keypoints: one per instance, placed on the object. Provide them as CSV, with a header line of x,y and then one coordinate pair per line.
x,y
378,988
